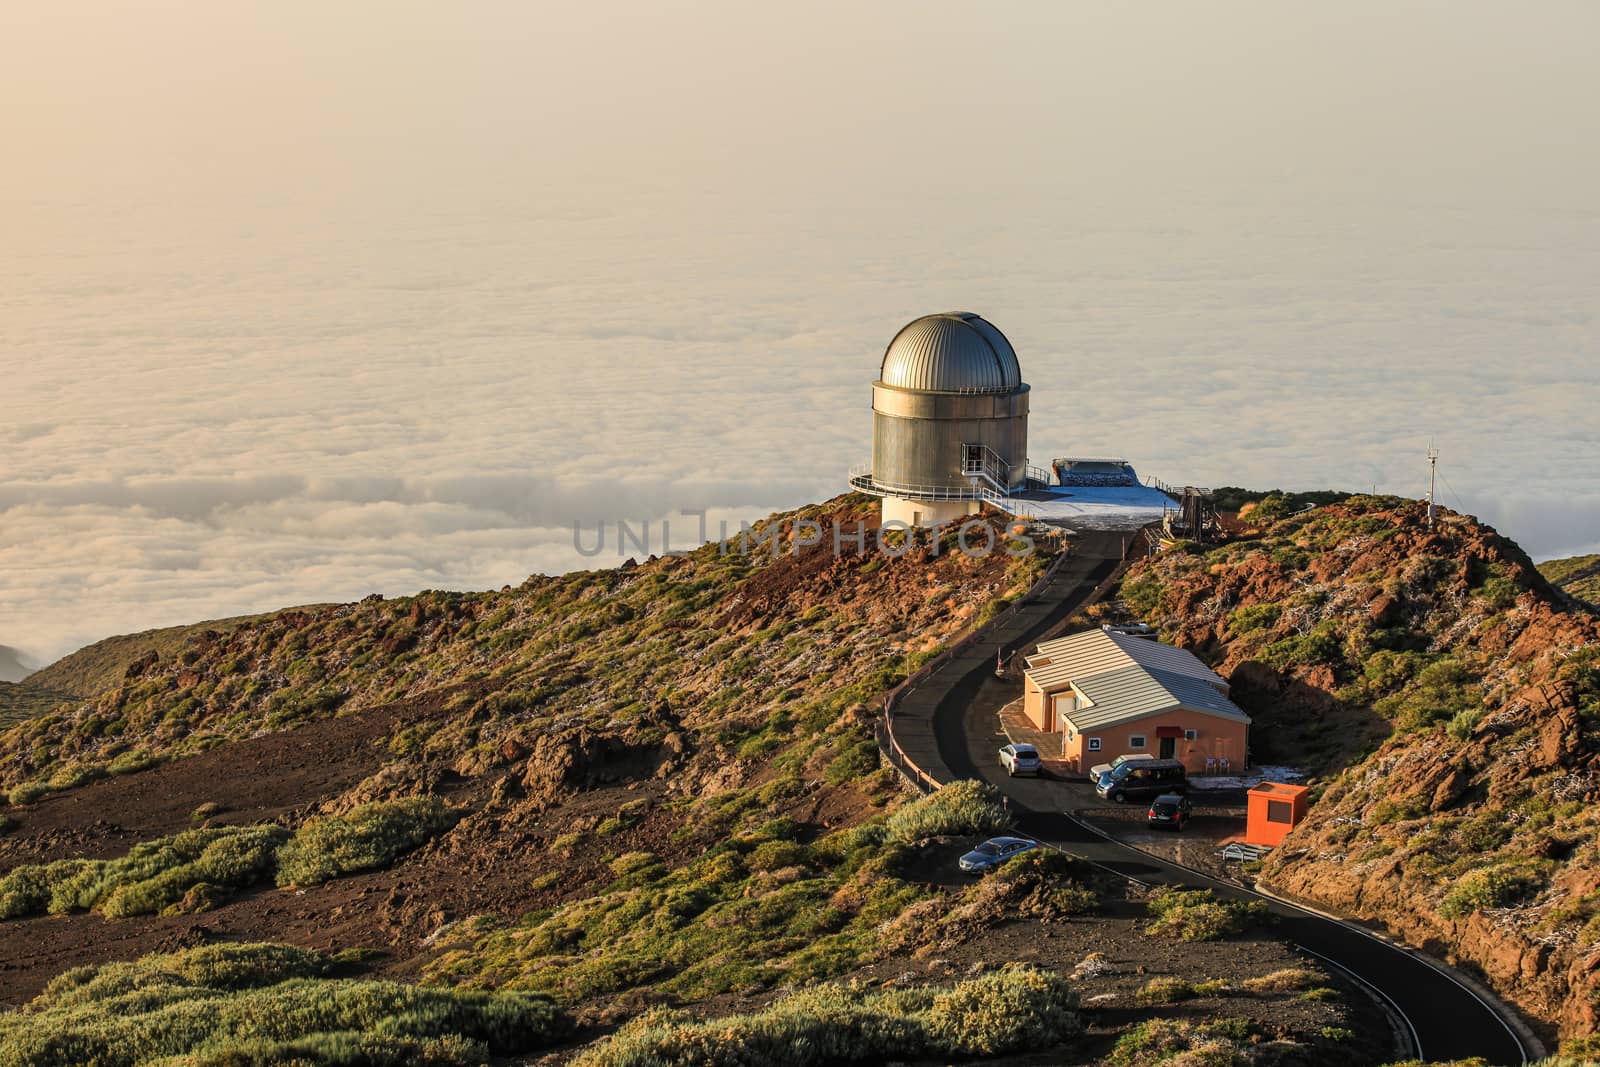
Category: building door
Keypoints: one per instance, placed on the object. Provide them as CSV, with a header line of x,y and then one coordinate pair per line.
x,y
1169,747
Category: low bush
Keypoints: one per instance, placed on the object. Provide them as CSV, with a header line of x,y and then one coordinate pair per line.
x,y
1172,1041
857,760
958,809
1495,887
241,1005
26,890
74,775
362,839
1007,1011
153,876
1165,991
1254,617
1037,886
131,762
1288,980
209,810
1197,914
26,793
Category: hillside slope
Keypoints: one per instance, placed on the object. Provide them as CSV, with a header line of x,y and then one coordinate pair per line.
x,y
20,700
93,669
1577,576
1452,703
604,797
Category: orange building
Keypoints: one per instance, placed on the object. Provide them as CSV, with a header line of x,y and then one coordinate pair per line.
x,y
1274,810
1109,694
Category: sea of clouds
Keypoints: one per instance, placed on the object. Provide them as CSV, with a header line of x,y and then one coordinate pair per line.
x,y
231,385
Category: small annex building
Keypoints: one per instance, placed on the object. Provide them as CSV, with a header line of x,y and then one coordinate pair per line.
x,y
1111,693
1274,808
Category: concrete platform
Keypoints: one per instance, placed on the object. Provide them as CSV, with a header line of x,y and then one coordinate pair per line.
x,y
1089,507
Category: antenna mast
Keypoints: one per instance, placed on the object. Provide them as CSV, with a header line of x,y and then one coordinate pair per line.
x,y
1433,469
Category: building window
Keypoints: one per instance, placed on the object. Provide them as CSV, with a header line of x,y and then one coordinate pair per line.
x,y
1071,734
1136,740
1190,735
1280,811
1094,744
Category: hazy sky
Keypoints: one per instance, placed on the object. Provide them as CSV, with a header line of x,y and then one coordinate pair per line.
x,y
302,301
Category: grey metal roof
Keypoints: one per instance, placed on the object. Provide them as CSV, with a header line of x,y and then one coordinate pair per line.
x,y
1096,651
1136,691
957,352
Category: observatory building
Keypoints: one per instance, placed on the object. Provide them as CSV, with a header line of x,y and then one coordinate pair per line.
x,y
950,421
950,434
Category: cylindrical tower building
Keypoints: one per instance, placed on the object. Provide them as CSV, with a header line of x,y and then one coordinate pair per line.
x,y
950,421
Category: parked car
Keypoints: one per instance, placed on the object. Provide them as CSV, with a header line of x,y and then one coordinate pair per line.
x,y
1100,770
993,852
1170,810
1020,759
1144,780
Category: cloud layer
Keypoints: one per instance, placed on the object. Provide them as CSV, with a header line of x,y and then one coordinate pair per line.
x,y
325,327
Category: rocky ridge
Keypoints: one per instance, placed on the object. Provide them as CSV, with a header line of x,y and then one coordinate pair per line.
x,y
1449,699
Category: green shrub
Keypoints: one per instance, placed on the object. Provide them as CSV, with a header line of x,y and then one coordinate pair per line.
x,y
1253,617
1496,887
1165,991
74,775
363,839
1320,645
958,809
858,760
1498,592
1288,980
613,824
1442,690
264,1004
154,875
343,1049
1197,915
209,810
27,890
132,762
1010,1010
1463,722
776,855
1172,1041
1235,1029
26,793
1391,811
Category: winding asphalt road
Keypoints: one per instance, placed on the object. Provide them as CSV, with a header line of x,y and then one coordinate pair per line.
x,y
1442,1017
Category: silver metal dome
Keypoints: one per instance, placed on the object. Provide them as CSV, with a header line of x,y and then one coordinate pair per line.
x,y
957,352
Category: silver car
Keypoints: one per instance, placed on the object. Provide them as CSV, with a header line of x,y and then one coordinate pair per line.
x,y
993,852
1020,759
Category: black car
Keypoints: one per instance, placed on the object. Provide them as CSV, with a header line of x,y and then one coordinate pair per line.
x,y
1171,811
1144,779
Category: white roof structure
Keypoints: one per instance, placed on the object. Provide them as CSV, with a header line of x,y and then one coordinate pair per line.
x,y
1067,659
1119,678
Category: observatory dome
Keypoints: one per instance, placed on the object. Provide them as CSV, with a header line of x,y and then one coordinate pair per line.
x,y
957,352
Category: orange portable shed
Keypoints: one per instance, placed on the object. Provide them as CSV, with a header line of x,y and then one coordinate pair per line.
x,y
1274,809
